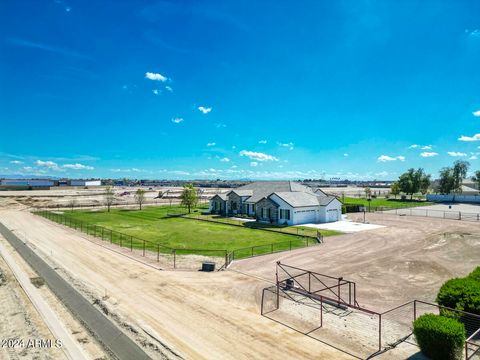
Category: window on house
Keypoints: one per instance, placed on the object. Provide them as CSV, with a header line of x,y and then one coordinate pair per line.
x,y
234,205
263,212
269,211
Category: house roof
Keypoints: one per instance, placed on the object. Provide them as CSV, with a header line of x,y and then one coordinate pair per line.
x,y
261,189
302,199
468,189
241,192
222,196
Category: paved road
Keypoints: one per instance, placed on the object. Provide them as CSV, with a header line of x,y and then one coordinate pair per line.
x,y
117,343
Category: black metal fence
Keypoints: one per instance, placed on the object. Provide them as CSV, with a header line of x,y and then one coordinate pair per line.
x,y
176,258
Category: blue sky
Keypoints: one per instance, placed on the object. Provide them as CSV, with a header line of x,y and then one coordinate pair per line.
x,y
238,89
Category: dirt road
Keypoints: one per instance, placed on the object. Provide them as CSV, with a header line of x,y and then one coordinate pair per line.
x,y
175,314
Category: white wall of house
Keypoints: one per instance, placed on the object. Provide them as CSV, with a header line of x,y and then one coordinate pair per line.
x,y
283,206
330,213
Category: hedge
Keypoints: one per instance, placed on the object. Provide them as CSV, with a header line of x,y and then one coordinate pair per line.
x,y
475,274
461,294
439,337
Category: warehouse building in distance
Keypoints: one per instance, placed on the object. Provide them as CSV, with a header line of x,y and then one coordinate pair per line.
x,y
45,184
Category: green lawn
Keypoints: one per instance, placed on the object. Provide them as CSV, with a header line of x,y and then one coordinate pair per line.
x,y
193,236
393,203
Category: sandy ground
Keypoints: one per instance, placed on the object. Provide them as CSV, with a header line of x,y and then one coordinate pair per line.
x,y
407,259
95,196
20,320
183,314
216,315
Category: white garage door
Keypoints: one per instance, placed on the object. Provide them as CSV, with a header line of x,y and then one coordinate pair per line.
x,y
305,216
332,215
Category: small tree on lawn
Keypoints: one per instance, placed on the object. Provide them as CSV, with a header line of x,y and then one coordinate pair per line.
x,y
395,189
140,197
109,197
189,196
414,181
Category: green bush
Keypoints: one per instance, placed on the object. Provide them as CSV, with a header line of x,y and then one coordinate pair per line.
x,y
475,274
350,208
461,294
439,337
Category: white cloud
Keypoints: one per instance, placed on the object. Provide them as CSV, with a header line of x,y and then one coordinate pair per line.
x,y
211,144
77,167
220,126
456,153
225,159
204,110
414,146
48,164
476,113
233,167
289,145
17,162
156,91
155,76
385,158
475,137
428,154
257,156
177,120
262,142
427,147
168,88
474,33
346,155
27,168
473,157
254,163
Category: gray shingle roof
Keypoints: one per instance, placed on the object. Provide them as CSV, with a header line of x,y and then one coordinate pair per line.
x,y
222,196
241,192
301,199
263,189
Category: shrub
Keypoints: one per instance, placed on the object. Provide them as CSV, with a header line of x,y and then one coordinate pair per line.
x,y
475,274
439,337
461,294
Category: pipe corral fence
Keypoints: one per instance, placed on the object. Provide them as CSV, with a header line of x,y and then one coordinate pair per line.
x,y
326,308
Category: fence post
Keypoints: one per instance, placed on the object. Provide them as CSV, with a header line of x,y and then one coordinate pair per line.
x,y
414,310
379,332
174,259
131,243
144,248
158,253
321,311
291,244
111,236
271,251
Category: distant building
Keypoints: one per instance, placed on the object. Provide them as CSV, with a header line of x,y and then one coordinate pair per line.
x,y
27,183
85,182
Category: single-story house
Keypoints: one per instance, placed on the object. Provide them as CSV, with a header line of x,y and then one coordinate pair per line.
x,y
279,202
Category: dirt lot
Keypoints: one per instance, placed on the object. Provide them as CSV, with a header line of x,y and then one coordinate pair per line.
x,y
198,315
176,314
408,259
66,197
